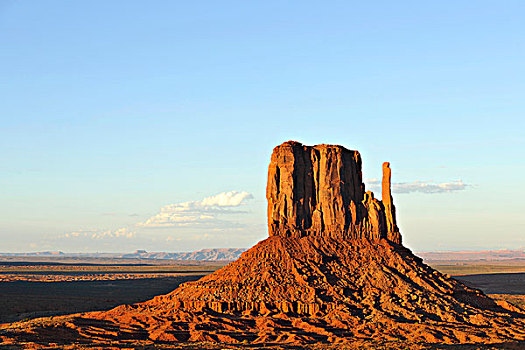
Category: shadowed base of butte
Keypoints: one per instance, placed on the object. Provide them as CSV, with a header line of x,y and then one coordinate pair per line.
x,y
333,270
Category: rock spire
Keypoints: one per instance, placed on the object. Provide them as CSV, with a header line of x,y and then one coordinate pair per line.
x,y
392,231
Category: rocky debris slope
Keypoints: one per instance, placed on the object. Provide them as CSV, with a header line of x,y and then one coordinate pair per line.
x,y
332,270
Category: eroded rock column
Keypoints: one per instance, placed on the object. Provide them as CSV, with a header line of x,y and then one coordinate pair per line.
x,y
392,232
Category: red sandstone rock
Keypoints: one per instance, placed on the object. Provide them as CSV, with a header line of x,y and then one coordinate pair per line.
x,y
392,232
313,190
319,191
333,270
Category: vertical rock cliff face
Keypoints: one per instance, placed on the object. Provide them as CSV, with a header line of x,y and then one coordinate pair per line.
x,y
319,190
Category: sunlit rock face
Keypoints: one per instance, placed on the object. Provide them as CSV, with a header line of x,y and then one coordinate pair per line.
x,y
319,190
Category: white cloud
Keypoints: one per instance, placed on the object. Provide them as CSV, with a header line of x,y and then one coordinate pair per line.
x,y
226,199
420,186
204,212
102,234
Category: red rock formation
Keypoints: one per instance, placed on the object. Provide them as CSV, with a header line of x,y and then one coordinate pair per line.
x,y
392,232
333,270
313,190
319,191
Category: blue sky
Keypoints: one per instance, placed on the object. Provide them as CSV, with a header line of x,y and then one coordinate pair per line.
x,y
112,110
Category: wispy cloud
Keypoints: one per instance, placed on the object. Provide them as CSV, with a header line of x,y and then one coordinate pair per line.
x,y
429,187
101,234
420,186
203,212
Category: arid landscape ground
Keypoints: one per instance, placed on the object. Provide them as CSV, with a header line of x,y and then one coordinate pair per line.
x,y
48,287
58,286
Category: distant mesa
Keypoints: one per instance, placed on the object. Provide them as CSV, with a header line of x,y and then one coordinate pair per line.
x,y
333,270
485,255
45,253
218,254
224,254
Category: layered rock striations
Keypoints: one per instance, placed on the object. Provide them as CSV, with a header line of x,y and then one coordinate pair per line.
x,y
332,270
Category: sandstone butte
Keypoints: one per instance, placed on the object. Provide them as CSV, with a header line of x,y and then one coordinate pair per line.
x,y
333,270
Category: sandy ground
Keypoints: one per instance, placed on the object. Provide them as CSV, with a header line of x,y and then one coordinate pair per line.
x,y
50,287
457,268
30,289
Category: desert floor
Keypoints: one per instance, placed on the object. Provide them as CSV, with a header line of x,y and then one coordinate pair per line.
x,y
38,287
31,288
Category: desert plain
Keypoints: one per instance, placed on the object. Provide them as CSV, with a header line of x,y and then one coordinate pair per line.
x,y
33,288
